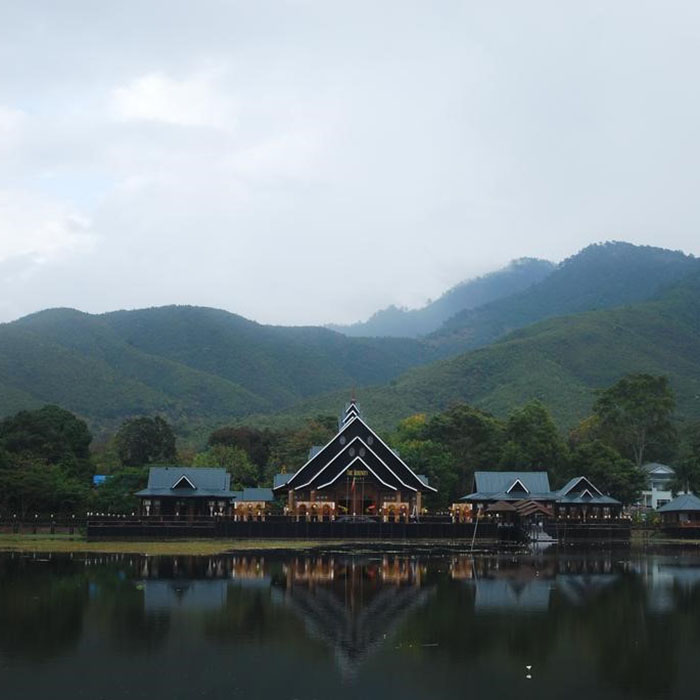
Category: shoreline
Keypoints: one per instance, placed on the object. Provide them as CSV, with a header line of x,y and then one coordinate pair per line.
x,y
67,544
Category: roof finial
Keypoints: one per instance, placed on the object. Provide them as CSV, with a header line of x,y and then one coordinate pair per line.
x,y
352,396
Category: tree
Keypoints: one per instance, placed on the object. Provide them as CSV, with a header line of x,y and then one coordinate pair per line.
x,y
29,485
256,443
608,470
687,467
116,494
290,449
426,456
51,435
533,442
473,440
142,441
236,462
634,416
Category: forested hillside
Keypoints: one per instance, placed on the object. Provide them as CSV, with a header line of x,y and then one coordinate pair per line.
x,y
188,363
601,276
560,361
411,323
201,367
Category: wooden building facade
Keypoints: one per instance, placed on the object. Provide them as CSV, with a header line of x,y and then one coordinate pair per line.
x,y
356,475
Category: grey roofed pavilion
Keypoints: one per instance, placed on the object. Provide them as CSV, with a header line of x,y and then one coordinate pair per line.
x,y
578,498
187,482
186,492
686,502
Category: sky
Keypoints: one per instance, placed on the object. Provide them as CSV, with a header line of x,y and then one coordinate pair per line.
x,y
305,162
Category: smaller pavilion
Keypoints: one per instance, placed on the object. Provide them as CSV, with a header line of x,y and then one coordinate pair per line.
x,y
252,503
511,496
186,492
684,510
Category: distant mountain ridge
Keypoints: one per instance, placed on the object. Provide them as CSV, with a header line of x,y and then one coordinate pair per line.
x,y
560,361
412,323
601,276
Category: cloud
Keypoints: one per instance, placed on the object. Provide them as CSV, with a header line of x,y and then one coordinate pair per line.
x,y
37,229
11,125
305,161
195,100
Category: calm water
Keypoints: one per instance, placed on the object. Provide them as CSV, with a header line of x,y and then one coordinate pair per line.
x,y
593,625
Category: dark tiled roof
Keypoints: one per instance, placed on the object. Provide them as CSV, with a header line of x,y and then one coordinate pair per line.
x,y
684,502
355,445
207,482
254,494
579,490
495,482
203,477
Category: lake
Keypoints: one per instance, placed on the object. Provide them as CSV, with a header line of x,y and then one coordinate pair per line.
x,y
589,624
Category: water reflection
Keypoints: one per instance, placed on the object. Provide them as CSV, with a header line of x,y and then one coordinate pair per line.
x,y
596,623
353,606
533,585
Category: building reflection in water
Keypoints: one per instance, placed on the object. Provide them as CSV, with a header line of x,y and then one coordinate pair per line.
x,y
530,585
197,584
350,604
353,605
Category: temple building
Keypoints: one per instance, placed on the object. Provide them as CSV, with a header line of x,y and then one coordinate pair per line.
x,y
356,474
513,496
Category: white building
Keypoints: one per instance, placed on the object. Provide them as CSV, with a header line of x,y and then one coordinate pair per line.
x,y
660,477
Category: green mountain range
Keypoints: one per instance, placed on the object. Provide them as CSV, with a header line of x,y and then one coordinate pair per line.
x,y
611,309
189,364
561,361
601,276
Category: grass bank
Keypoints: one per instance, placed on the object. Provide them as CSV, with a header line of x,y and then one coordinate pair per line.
x,y
77,543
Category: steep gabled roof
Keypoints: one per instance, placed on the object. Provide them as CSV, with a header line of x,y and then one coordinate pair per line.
x,y
579,484
187,482
497,482
355,439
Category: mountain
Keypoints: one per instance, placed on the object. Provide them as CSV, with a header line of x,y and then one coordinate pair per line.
x,y
200,366
412,323
560,361
187,363
600,276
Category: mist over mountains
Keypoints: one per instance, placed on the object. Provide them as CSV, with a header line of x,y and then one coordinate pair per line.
x,y
543,331
412,323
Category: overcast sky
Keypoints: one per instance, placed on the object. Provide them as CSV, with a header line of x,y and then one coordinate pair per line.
x,y
312,161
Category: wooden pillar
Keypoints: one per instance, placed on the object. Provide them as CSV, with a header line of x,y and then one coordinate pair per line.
x,y
419,503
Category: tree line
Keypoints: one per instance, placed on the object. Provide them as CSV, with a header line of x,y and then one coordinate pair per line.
x,y
47,465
